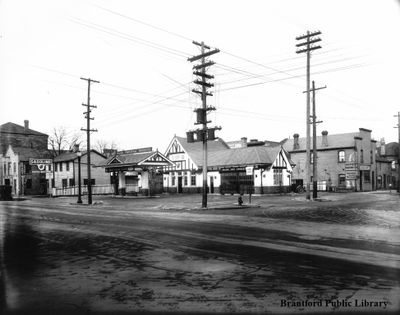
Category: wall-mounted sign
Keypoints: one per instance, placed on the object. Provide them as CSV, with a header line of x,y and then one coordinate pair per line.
x,y
249,170
365,167
33,161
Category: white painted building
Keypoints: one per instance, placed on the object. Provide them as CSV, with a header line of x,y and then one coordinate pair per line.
x,y
255,169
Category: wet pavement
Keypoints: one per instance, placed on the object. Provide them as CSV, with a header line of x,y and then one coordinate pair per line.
x,y
131,255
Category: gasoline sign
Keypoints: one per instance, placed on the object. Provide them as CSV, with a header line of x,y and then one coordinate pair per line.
x,y
33,161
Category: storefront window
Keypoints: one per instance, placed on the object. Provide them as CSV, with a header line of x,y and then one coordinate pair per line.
x,y
277,177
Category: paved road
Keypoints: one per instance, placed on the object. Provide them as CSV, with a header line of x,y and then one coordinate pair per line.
x,y
165,254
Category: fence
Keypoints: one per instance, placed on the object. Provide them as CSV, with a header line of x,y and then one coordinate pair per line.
x,y
73,190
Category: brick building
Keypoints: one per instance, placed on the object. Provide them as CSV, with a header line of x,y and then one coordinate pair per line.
x,y
387,165
19,144
345,161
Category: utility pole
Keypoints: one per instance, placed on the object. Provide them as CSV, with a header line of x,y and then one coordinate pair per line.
x,y
398,158
204,133
315,157
88,131
309,40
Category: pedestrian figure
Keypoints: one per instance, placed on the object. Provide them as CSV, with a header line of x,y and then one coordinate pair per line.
x,y
240,200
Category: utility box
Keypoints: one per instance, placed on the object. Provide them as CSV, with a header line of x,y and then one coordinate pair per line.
x,y
211,134
200,135
201,115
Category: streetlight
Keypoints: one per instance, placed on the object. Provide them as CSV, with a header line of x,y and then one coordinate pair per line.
x,y
79,154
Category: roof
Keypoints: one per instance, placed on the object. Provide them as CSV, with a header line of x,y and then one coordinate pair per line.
x,y
130,158
392,149
195,149
26,153
243,156
342,140
14,128
70,156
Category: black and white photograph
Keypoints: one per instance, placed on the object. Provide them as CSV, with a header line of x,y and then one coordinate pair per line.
x,y
199,157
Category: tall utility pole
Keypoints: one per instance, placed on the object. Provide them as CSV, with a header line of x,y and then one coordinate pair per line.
x,y
88,131
398,158
204,133
309,40
315,157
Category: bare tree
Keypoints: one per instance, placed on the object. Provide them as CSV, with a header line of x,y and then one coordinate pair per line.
x,y
61,140
106,147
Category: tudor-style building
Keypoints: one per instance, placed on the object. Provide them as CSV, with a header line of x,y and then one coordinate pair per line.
x,y
345,161
137,171
255,169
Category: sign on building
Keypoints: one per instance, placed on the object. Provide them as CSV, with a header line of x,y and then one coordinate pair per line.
x,y
249,170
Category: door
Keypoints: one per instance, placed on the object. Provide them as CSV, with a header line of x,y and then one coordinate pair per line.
x,y
373,180
361,180
212,184
179,184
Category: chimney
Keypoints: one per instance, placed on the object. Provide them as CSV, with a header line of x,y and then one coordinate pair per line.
x,y
75,148
324,138
382,145
243,142
296,145
26,124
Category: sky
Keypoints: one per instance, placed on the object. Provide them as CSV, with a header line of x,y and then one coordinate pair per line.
x,y
138,50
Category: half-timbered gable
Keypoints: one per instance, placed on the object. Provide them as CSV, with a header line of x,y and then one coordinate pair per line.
x,y
240,170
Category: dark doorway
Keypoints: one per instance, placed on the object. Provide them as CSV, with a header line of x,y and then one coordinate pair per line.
x,y
361,180
7,182
212,184
179,184
373,180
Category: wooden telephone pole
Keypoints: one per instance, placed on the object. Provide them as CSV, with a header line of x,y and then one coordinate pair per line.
x,y
88,131
309,40
398,157
315,157
204,133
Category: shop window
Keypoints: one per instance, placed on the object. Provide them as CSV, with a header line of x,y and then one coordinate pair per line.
x,y
341,156
342,179
29,183
64,183
193,180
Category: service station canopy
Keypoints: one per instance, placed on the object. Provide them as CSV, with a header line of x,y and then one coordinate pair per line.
x,y
136,160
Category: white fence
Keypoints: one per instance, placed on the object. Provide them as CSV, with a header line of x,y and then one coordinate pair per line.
x,y
73,191
96,190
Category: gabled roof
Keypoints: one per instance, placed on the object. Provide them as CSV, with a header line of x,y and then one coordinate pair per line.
x,y
136,158
14,128
129,158
195,149
243,156
70,156
343,140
